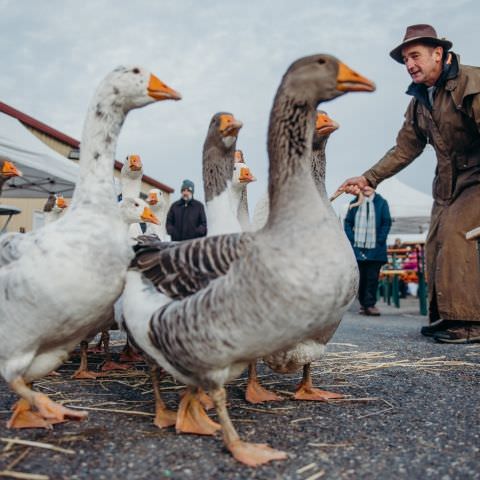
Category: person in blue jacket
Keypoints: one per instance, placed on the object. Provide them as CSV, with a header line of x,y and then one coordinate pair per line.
x,y
367,228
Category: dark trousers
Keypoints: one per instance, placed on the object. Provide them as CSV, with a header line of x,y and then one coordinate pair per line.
x,y
367,290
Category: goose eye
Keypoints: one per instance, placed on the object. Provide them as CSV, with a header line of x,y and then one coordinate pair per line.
x,y
137,204
321,61
136,70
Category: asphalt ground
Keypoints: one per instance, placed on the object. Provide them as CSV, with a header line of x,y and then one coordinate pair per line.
x,y
411,410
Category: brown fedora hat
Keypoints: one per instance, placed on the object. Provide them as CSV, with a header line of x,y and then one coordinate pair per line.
x,y
421,33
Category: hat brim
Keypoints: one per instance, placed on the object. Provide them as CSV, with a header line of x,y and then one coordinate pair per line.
x,y
396,53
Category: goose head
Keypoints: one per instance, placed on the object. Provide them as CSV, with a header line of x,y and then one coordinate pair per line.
x,y
324,127
135,210
132,168
322,77
60,203
129,87
224,128
8,169
242,174
156,198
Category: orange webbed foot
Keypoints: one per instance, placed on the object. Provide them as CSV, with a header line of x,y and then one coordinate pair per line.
x,y
54,412
255,393
165,418
191,417
111,365
315,394
254,454
23,417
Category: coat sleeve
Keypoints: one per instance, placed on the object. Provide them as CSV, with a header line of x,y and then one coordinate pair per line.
x,y
409,146
170,224
349,223
385,223
201,229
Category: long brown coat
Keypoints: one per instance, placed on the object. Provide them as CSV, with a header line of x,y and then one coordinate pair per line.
x,y
452,127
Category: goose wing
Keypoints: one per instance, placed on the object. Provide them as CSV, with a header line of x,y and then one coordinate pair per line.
x,y
180,269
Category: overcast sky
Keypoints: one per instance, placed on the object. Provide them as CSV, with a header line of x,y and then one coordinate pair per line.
x,y
222,56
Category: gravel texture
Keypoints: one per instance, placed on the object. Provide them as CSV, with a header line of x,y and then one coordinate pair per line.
x,y
411,411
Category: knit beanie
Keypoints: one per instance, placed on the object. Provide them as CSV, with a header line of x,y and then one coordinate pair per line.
x,y
187,184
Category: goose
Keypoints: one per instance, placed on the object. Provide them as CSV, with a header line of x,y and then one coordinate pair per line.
x,y
158,203
7,171
225,178
54,208
57,283
206,308
242,176
301,355
132,210
324,126
218,166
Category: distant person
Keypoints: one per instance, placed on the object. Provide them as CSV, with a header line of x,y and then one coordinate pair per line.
x,y
186,217
367,228
444,112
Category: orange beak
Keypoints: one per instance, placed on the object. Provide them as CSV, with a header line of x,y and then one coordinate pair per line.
x,y
134,162
350,81
159,91
61,203
324,125
10,170
152,198
246,175
149,216
229,126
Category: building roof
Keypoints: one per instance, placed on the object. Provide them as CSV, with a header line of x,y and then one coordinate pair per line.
x,y
63,138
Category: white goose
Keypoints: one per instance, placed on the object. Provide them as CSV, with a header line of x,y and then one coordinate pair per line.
x,y
54,208
132,210
158,203
56,283
239,308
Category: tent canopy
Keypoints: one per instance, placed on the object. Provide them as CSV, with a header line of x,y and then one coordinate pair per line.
x,y
44,170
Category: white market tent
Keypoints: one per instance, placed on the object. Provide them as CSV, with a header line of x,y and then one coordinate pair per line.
x,y
44,170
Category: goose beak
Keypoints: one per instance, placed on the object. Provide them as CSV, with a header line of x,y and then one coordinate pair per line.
x,y
149,216
134,163
350,81
325,125
246,175
159,91
230,126
10,170
152,198
61,203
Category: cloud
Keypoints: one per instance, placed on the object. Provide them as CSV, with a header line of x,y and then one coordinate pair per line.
x,y
221,56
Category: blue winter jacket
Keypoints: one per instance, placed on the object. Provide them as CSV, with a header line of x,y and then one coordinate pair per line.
x,y
383,222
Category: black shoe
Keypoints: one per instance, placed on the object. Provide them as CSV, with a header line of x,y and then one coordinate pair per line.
x,y
438,326
466,332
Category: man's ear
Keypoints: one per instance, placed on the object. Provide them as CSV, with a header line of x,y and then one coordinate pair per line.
x,y
438,53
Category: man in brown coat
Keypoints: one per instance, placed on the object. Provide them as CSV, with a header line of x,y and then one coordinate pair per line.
x,y
445,113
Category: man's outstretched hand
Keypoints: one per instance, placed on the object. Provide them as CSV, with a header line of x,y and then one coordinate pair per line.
x,y
354,185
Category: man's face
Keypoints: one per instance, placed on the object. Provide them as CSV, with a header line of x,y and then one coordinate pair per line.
x,y
186,194
424,63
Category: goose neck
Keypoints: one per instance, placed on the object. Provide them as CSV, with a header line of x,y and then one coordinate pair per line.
x,y
97,153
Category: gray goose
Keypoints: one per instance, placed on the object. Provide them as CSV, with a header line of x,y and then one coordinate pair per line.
x,y
237,308
217,169
255,393
301,355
